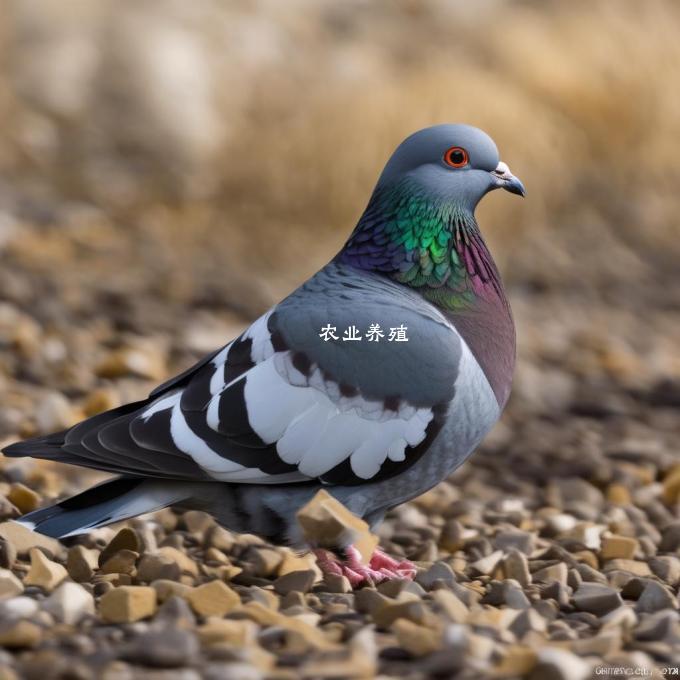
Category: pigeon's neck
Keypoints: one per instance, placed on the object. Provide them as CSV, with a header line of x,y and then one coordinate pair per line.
x,y
433,245
426,242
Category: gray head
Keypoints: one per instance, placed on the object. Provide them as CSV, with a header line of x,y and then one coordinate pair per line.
x,y
457,162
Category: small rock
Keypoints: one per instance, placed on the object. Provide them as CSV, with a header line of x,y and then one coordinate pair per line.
x,y
596,598
439,571
44,572
23,539
157,566
614,546
450,605
300,581
415,639
123,562
516,566
587,534
24,498
165,648
21,607
10,585
654,598
328,523
81,563
8,554
214,598
667,568
69,603
54,412
523,541
240,633
186,564
671,486
265,561
526,621
337,583
127,604
487,564
555,572
513,595
559,664
20,634
125,539
415,611
166,588
670,538
631,566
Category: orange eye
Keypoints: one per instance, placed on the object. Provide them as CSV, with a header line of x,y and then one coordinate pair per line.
x,y
456,157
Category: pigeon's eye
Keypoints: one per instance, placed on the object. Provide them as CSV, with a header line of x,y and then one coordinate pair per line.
x,y
456,157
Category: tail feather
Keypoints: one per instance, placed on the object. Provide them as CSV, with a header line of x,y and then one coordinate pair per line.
x,y
111,501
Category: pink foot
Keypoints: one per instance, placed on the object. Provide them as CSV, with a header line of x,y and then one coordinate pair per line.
x,y
381,567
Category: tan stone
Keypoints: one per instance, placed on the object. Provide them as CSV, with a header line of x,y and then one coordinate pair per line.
x,y
10,585
126,604
487,564
265,561
671,486
451,606
555,572
634,567
586,557
294,562
415,639
383,616
328,523
618,494
155,566
123,562
517,662
24,539
268,617
214,598
100,400
186,564
301,581
125,539
614,546
20,634
44,572
165,588
81,563
241,633
24,498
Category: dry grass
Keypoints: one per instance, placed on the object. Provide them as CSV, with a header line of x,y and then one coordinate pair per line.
x,y
260,132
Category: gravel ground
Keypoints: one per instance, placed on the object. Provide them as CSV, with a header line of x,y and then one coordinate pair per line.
x,y
553,553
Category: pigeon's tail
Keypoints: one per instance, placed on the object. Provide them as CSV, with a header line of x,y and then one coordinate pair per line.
x,y
109,502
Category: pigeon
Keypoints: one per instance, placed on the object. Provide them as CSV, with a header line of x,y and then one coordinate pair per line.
x,y
373,380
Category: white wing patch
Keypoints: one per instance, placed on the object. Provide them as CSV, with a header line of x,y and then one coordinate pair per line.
x,y
312,425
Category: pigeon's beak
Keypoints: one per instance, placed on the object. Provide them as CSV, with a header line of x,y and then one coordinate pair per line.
x,y
504,179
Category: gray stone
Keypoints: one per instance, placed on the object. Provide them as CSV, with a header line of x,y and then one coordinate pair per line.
x,y
597,598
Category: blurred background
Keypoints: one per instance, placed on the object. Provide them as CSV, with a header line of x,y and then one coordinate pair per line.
x,y
169,169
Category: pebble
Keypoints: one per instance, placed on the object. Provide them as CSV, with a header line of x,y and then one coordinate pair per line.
x,y
596,598
439,571
164,648
23,498
10,585
185,563
300,581
614,546
157,566
631,566
69,603
239,633
81,563
23,539
327,523
20,634
44,573
122,562
523,541
415,639
655,597
214,598
516,566
126,539
126,604
555,572
8,554
559,664
450,605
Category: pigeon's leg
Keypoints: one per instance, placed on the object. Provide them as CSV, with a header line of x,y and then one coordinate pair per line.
x,y
402,569
380,568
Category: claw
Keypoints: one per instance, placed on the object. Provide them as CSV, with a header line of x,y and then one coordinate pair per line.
x,y
381,566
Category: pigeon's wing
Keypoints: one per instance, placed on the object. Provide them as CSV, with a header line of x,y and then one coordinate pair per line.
x,y
281,404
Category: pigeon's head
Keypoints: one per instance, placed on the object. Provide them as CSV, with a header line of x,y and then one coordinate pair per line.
x,y
458,163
